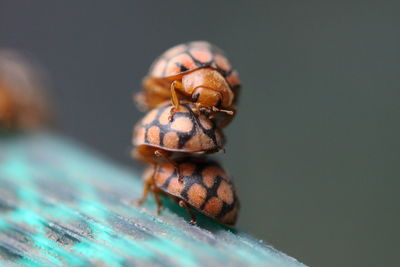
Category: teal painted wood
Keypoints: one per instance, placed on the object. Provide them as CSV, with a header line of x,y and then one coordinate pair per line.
x,y
61,204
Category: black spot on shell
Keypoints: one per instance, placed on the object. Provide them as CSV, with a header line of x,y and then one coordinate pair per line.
x,y
182,67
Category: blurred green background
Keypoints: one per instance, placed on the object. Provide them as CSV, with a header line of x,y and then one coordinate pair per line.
x,y
314,148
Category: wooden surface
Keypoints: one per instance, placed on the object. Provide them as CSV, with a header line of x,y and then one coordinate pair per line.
x,y
62,204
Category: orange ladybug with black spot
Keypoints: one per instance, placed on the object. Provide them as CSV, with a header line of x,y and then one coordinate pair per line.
x,y
206,187
195,71
189,133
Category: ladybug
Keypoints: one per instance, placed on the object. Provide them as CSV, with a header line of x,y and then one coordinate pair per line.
x,y
7,108
23,104
195,71
206,188
157,136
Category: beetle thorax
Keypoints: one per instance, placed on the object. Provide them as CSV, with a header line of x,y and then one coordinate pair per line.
x,y
209,80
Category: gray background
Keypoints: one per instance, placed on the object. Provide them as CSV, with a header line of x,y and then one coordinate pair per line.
x,y
315,146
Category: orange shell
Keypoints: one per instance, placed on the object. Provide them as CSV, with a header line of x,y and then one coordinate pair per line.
x,y
190,56
186,133
206,187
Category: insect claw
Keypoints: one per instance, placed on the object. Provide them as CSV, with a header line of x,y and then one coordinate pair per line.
x,y
229,112
159,209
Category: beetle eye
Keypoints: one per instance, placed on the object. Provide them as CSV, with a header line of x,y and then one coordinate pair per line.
x,y
195,97
219,103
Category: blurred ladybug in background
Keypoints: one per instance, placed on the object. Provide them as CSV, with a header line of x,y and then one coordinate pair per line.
x,y
196,71
23,102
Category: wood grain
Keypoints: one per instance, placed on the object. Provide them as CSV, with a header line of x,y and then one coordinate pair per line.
x,y
63,204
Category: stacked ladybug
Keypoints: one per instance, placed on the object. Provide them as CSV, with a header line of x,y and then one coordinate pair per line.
x,y
190,94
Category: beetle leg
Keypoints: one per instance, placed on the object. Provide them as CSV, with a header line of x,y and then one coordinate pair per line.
x,y
174,97
162,154
227,119
146,190
185,206
228,112
156,192
149,183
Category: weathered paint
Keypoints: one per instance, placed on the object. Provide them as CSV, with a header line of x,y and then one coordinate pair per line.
x,y
61,204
